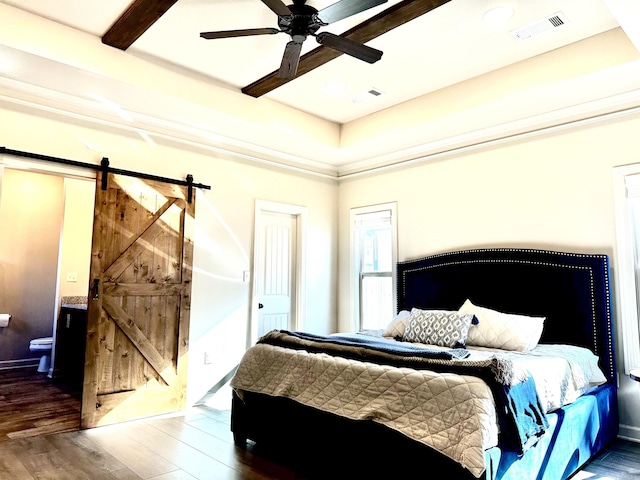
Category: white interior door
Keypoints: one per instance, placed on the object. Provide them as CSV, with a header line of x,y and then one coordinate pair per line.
x,y
277,268
276,280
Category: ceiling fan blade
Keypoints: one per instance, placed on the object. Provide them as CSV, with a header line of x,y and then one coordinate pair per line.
x,y
290,59
346,8
344,45
278,7
239,33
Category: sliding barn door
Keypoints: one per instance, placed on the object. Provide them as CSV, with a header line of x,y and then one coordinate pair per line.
x,y
139,300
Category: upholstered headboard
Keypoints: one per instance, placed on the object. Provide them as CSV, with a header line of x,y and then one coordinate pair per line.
x,y
570,289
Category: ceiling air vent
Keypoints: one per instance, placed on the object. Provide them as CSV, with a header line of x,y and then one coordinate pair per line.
x,y
365,96
541,26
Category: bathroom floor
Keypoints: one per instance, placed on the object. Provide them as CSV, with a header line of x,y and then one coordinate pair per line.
x,y
33,404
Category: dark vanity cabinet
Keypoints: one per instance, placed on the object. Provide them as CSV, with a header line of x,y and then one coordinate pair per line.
x,y
71,335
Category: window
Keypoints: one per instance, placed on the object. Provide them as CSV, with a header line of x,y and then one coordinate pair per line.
x,y
627,278
373,254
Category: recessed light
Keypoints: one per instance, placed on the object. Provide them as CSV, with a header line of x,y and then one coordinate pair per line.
x,y
335,88
498,17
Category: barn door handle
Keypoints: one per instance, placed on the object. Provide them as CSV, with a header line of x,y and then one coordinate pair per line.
x,y
96,292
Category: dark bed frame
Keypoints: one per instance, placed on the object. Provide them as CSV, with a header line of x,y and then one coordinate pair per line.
x,y
570,289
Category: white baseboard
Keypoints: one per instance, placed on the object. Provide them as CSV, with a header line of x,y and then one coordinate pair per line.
x,y
628,432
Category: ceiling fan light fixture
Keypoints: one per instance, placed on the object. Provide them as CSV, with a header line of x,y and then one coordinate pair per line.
x,y
498,17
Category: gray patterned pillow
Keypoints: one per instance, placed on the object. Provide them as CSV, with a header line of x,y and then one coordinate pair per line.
x,y
438,327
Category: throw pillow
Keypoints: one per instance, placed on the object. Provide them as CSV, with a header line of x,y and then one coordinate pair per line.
x,y
506,331
398,325
438,327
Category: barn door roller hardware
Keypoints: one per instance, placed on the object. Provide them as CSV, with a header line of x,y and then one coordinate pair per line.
x,y
105,168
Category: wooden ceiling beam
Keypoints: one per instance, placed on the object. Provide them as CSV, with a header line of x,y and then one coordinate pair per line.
x,y
393,17
135,20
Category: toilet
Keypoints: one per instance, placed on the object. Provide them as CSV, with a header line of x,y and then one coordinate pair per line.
x,y
42,346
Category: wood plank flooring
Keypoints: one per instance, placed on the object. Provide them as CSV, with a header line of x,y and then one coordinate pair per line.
x,y
193,445
32,404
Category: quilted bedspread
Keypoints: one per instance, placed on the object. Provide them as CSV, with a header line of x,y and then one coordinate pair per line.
x,y
454,413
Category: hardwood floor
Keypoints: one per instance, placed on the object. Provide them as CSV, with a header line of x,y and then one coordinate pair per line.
x,y
194,445
621,461
33,404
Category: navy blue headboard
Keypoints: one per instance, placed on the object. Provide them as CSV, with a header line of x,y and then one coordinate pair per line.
x,y
570,289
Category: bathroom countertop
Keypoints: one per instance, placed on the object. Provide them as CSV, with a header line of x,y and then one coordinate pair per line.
x,y
79,302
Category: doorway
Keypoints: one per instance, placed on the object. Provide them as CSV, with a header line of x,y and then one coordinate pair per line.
x,y
278,278
46,218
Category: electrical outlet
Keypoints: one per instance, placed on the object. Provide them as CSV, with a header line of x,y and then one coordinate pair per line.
x,y
207,358
72,277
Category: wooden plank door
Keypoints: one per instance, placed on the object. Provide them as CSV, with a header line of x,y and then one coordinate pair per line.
x,y
139,301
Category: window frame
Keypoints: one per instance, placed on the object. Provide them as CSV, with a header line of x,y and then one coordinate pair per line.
x,y
355,263
625,280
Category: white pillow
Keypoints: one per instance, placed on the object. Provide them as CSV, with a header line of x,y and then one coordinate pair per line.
x,y
506,331
398,325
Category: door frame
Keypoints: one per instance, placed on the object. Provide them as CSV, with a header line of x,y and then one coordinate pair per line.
x,y
58,170
300,214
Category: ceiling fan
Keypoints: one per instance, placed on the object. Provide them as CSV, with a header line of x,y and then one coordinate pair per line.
x,y
300,20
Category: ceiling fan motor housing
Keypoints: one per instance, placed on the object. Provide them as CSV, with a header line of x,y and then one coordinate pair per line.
x,y
303,21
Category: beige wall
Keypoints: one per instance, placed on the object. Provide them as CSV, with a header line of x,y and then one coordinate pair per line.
x,y
75,249
550,191
31,207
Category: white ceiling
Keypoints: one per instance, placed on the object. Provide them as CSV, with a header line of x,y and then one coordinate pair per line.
x,y
443,48
446,46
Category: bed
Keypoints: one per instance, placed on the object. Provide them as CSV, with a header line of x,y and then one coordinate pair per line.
x,y
460,408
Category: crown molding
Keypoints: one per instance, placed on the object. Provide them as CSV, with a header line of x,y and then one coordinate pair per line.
x,y
592,97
